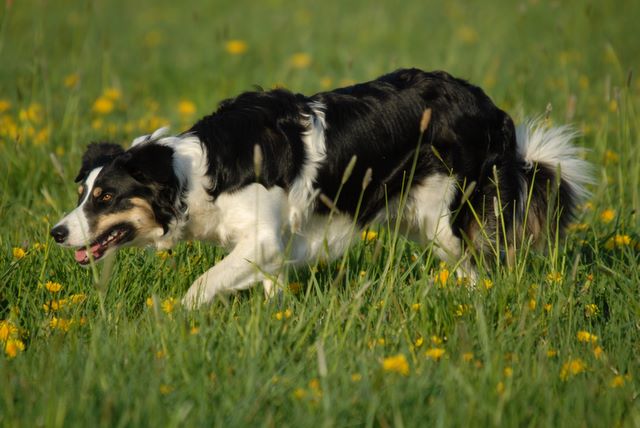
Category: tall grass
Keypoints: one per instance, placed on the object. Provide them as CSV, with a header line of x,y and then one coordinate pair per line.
x,y
552,342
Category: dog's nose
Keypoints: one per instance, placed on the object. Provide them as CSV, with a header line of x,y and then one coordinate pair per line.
x,y
60,233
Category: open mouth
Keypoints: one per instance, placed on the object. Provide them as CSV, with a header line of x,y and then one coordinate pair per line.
x,y
114,236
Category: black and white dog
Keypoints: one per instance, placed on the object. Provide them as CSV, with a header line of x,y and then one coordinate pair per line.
x,y
281,179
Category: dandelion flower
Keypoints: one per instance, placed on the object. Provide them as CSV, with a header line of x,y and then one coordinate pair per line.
x,y
186,108
396,364
369,235
300,60
356,377
508,372
597,352
112,93
13,347
295,287
487,283
591,310
607,215
18,253
299,393
586,337
236,47
168,305
103,105
616,382
434,354
416,307
71,80
418,342
7,330
572,368
53,287
467,357
165,389
4,106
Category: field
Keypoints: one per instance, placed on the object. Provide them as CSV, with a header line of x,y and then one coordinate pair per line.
x,y
392,339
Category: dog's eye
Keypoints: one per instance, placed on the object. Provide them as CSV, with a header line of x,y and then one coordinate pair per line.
x,y
107,197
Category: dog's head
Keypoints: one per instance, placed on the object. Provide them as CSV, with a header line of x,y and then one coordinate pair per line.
x,y
125,198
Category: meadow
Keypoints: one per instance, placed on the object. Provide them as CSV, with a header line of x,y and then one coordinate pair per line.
x,y
385,337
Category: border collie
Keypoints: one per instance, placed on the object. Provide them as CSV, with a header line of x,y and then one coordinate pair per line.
x,y
280,179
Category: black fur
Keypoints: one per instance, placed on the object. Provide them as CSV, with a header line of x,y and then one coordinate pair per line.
x,y
97,154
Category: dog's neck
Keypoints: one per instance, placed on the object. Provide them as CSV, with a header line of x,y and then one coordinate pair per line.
x,y
195,210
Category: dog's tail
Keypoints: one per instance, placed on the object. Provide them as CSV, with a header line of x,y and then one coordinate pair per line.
x,y
532,195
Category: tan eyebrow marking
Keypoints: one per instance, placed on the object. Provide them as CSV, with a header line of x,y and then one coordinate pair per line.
x,y
97,192
80,190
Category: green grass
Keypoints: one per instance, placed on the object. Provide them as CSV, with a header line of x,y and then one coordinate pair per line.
x,y
315,356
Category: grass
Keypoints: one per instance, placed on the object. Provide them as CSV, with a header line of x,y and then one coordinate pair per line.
x,y
552,342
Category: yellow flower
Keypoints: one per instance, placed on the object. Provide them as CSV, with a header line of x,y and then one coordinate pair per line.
x,y
7,330
165,389
53,287
551,353
618,241
369,235
32,114
487,283
299,393
500,387
77,298
356,377
168,305
591,310
295,287
508,372
532,304
186,108
194,330
163,255
461,310
467,34
548,307
396,364
71,80
13,347
18,253
236,47
4,105
617,382
554,277
61,323
467,357
597,352
611,156
436,340
442,276
572,368
326,82
418,342
416,307
585,336
434,353
300,60
103,105
54,305
607,215
112,94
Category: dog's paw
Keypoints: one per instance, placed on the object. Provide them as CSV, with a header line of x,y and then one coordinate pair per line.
x,y
193,299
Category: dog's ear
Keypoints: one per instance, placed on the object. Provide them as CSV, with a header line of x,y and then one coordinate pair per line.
x,y
97,154
149,163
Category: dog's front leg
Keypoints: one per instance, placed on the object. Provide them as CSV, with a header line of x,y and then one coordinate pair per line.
x,y
248,263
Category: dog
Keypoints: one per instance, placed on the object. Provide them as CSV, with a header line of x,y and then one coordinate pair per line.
x,y
281,179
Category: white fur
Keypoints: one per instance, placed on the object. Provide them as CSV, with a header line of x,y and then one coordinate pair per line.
x,y
553,146
302,194
76,221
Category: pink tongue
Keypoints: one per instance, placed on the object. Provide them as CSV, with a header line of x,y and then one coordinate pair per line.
x,y
81,254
